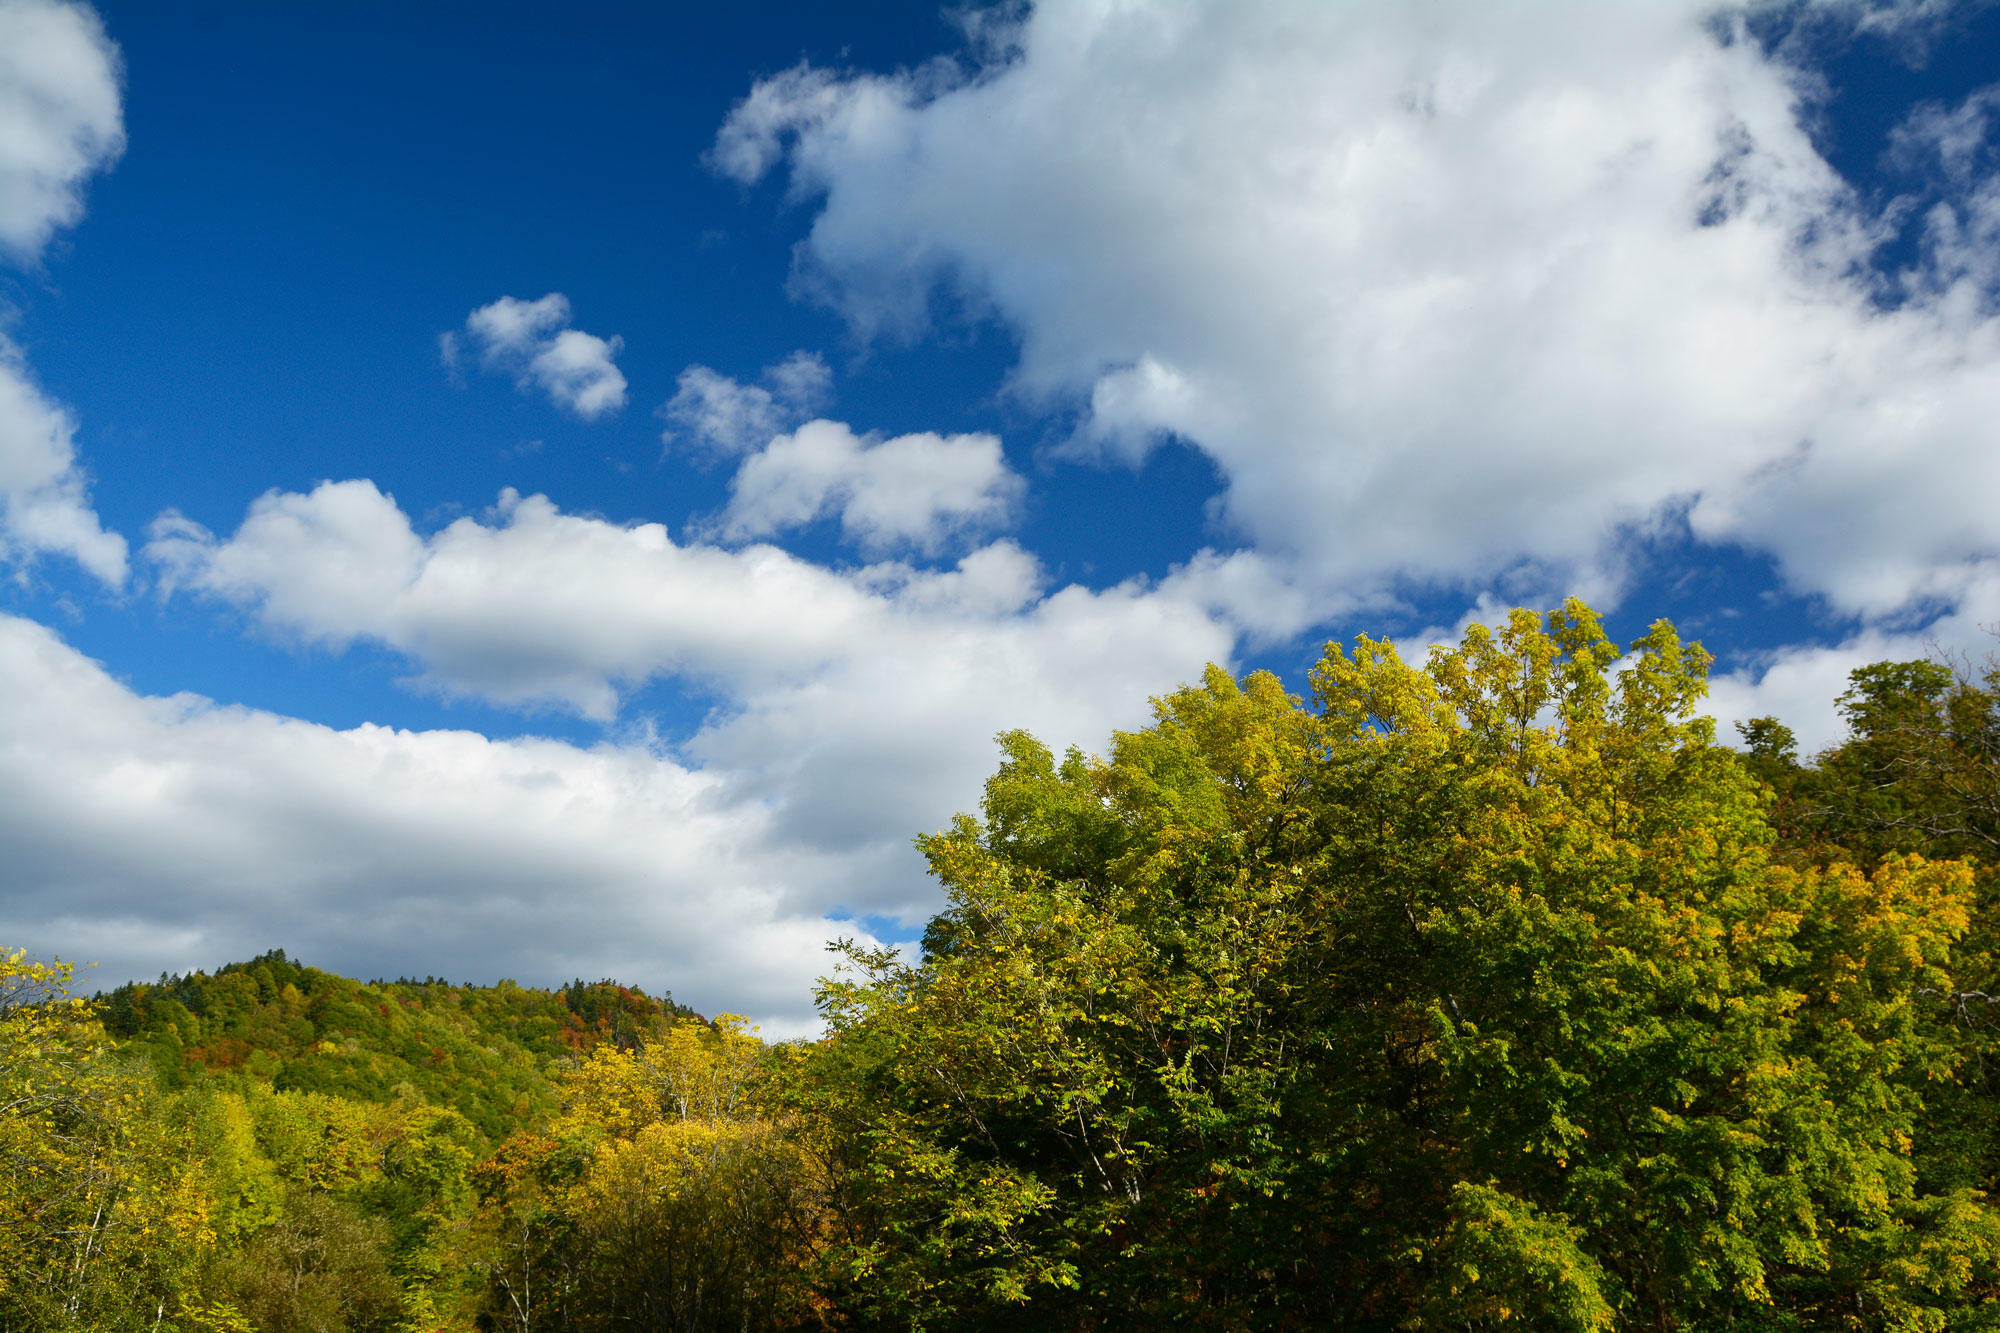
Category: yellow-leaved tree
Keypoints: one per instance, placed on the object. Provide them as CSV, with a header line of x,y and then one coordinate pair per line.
x,y
1469,998
103,1222
662,1196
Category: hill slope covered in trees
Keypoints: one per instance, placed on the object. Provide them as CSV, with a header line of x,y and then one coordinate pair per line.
x,y
485,1051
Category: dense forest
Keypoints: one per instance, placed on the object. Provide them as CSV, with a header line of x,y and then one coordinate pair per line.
x,y
1491,991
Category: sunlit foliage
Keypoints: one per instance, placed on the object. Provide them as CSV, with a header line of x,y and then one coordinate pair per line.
x,y
1471,996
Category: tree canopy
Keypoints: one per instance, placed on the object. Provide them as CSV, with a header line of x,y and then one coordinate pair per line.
x,y
1470,995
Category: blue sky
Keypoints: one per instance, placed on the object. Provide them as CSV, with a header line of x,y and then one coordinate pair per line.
x,y
487,490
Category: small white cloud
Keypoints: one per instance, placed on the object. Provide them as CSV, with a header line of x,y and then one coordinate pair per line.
x,y
61,119
753,138
44,498
511,326
916,490
721,416
532,341
576,369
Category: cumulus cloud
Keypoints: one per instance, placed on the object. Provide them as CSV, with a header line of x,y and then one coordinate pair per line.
x,y
157,834
532,341
1441,289
721,416
61,117
915,490
44,501
60,122
861,704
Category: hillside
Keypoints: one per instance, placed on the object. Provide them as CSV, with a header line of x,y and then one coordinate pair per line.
x,y
484,1051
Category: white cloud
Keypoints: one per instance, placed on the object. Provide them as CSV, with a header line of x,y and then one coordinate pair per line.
x,y
44,501
61,119
1442,289
156,834
60,122
915,490
724,417
532,341
860,704
750,142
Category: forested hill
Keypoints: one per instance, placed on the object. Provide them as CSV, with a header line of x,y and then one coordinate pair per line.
x,y
484,1051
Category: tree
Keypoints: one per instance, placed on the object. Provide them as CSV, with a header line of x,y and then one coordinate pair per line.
x,y
1470,997
102,1222
321,1267
1919,769
662,1197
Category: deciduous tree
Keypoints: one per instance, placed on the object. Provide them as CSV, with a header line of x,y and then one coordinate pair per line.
x,y
1469,997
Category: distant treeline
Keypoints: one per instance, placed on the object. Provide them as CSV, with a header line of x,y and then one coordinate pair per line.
x,y
1492,991
271,1146
484,1051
